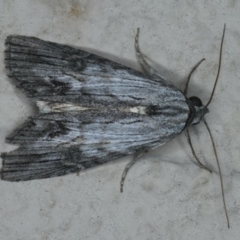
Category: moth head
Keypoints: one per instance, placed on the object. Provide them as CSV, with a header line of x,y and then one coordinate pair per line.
x,y
200,109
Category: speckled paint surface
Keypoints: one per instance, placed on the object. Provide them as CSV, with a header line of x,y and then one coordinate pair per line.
x,y
166,196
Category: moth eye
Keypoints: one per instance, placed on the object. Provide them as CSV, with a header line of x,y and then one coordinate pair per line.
x,y
196,101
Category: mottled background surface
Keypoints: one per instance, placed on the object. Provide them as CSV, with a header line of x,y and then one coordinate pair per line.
x,y
166,195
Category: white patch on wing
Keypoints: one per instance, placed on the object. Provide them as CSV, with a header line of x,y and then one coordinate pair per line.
x,y
137,109
47,107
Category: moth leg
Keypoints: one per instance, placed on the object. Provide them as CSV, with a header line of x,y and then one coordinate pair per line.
x,y
190,74
129,165
142,61
193,152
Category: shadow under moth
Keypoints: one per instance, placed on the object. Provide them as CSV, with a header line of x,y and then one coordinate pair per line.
x,y
91,110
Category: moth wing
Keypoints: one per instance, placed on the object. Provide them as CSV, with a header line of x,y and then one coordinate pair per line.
x,y
92,110
59,143
53,72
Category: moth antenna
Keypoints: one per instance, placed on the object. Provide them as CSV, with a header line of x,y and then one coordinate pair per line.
x,y
219,66
190,74
128,166
220,173
193,152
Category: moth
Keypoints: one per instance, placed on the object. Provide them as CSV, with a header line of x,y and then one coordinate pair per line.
x,y
91,110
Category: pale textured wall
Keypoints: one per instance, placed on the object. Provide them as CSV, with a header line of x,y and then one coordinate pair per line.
x,y
166,196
